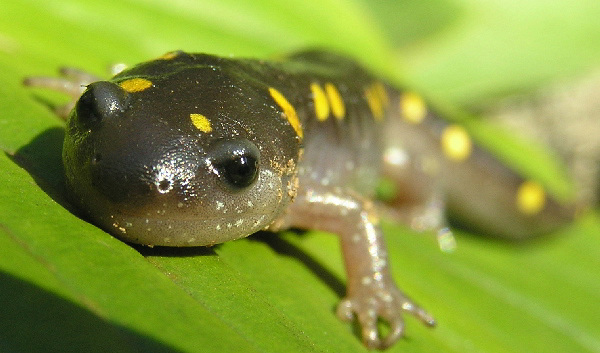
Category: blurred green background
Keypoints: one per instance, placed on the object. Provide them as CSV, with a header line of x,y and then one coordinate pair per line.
x,y
67,286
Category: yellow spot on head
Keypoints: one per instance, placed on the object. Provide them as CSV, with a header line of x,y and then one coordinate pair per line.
x,y
335,99
201,122
320,101
288,111
412,107
137,84
531,197
456,143
170,55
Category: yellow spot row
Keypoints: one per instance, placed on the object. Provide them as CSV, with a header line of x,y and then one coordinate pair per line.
x,y
455,141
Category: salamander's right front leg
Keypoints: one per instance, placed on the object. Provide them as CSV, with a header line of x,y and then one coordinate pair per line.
x,y
371,291
73,83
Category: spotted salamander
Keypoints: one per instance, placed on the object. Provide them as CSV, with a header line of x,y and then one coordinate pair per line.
x,y
196,150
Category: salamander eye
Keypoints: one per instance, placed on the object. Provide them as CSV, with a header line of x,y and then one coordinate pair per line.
x,y
235,162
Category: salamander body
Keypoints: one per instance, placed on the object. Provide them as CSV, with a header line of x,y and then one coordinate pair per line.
x,y
194,149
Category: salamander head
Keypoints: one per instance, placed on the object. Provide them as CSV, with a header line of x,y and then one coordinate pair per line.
x,y
190,157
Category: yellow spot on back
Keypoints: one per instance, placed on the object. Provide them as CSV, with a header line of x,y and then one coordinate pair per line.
x,y
335,100
288,111
531,197
201,122
137,84
412,107
456,143
377,99
320,101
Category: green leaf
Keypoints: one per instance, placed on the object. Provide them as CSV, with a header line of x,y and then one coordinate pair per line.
x,y
468,51
67,286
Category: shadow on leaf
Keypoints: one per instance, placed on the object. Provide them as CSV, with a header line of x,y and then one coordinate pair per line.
x,y
36,320
42,159
283,247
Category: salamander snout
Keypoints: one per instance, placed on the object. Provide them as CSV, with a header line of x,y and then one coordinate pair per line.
x,y
101,100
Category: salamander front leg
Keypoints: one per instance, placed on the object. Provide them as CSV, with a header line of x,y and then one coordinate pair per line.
x,y
371,291
72,82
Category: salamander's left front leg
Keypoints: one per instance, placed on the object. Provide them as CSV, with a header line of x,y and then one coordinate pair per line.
x,y
371,291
